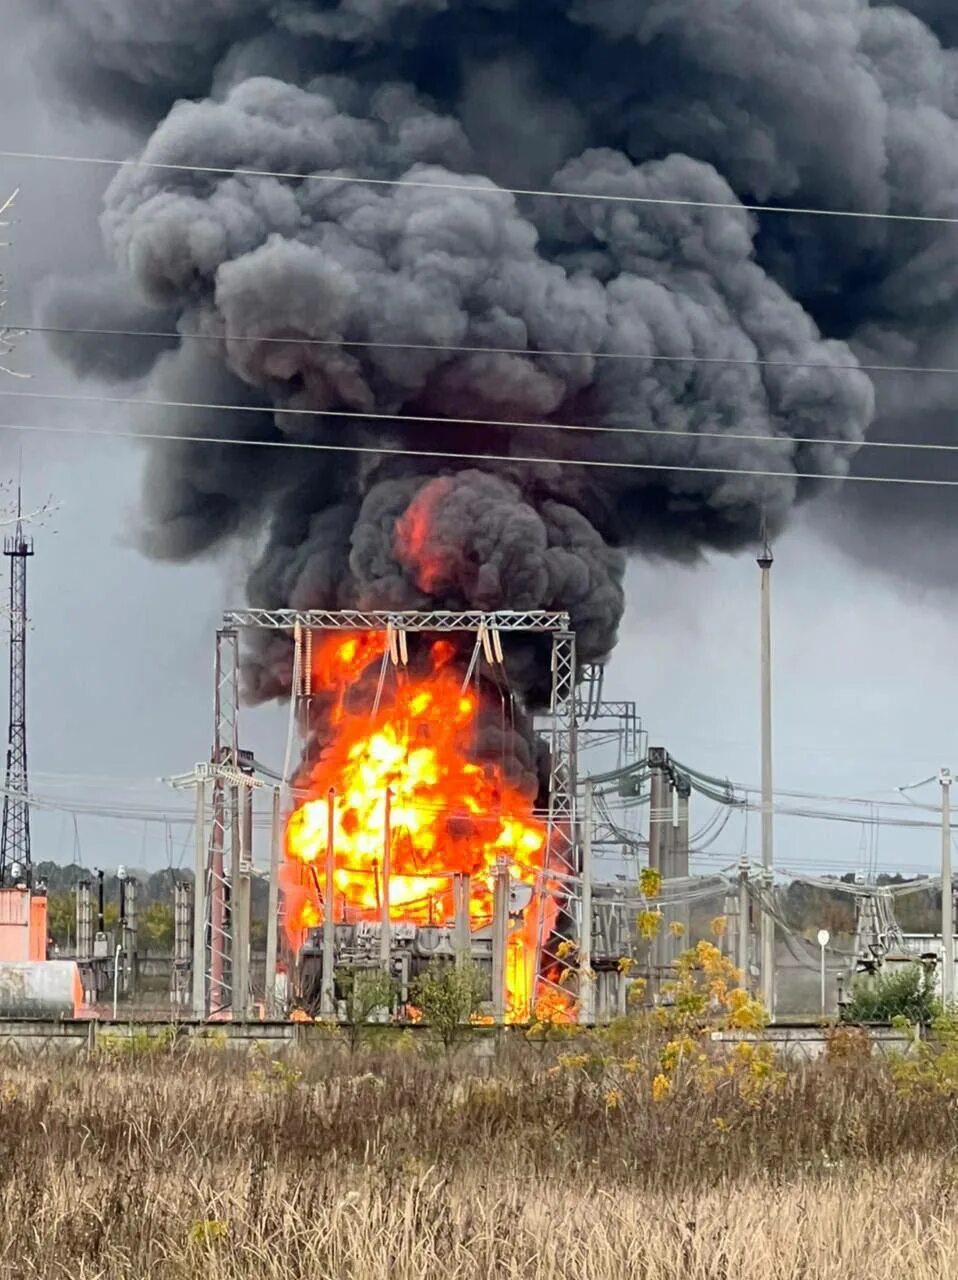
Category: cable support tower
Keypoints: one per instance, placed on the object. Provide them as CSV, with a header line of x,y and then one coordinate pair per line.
x,y
16,864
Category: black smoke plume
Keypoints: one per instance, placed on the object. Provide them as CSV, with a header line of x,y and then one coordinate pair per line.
x,y
312,294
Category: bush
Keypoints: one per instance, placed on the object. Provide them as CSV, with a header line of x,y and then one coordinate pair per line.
x,y
367,992
908,993
448,996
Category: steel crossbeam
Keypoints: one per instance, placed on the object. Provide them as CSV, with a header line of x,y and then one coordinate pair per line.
x,y
224,834
402,620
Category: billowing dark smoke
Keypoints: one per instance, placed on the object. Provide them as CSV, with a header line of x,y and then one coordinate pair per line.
x,y
811,103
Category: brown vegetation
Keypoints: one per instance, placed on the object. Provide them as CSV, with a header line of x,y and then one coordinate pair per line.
x,y
406,1164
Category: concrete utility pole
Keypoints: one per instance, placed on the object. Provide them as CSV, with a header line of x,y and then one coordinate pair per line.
x,y
680,859
272,918
199,906
660,830
767,950
742,937
947,900
462,933
385,941
586,976
327,998
500,939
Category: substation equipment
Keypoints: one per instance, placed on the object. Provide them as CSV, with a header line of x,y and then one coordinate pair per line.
x,y
107,958
219,979
595,919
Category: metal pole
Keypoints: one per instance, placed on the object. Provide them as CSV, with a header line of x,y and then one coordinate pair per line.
x,y
822,949
500,939
657,757
327,998
586,976
767,951
272,910
461,891
742,938
680,859
659,817
116,979
199,906
385,947
130,946
100,915
947,899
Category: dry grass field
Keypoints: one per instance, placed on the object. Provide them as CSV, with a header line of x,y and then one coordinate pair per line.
x,y
407,1165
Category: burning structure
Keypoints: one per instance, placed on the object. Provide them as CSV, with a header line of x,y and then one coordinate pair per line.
x,y
429,819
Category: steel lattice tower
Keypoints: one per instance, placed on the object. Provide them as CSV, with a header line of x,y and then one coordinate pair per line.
x,y
15,861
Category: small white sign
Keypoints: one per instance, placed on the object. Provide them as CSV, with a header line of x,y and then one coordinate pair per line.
x,y
823,937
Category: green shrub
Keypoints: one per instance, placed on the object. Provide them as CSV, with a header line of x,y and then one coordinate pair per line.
x,y
905,993
448,997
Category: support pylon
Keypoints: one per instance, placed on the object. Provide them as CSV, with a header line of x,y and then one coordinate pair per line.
x,y
15,859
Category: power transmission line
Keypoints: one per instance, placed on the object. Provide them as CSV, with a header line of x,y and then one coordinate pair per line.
x,y
482,186
498,423
653,357
444,455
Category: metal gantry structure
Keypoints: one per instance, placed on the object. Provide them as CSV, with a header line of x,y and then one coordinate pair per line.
x,y
15,856
227,853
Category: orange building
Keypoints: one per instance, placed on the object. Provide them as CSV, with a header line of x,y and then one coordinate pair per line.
x,y
23,925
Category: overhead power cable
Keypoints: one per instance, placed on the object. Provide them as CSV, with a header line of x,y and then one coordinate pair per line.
x,y
442,454
481,186
438,420
378,344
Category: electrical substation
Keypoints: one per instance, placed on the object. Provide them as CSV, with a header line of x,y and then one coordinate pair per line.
x,y
549,903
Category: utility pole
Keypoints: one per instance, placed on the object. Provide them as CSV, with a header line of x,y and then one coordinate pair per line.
x,y
272,918
385,940
327,997
462,934
660,829
767,949
742,937
680,859
199,905
500,939
586,976
947,900
15,859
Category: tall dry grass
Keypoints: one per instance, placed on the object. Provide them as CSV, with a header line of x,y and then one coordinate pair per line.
x,y
409,1167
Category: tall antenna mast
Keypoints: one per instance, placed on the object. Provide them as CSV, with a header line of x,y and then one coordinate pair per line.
x,y
15,860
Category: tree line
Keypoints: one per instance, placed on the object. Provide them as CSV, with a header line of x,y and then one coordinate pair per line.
x,y
154,904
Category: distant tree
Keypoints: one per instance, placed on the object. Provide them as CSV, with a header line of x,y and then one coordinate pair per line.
x,y
156,926
61,918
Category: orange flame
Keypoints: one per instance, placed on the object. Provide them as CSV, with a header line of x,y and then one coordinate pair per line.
x,y
447,813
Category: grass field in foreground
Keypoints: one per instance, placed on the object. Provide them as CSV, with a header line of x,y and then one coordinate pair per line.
x,y
406,1164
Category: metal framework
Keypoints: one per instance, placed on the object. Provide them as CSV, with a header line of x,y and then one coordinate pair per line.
x,y
15,857
560,726
402,620
223,829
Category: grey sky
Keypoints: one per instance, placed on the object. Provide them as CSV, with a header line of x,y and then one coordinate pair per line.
x,y
121,651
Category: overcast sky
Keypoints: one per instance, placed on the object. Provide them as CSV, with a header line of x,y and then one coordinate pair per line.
x,y
120,654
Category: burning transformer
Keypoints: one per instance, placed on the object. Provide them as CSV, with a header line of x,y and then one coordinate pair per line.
x,y
417,829
412,948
